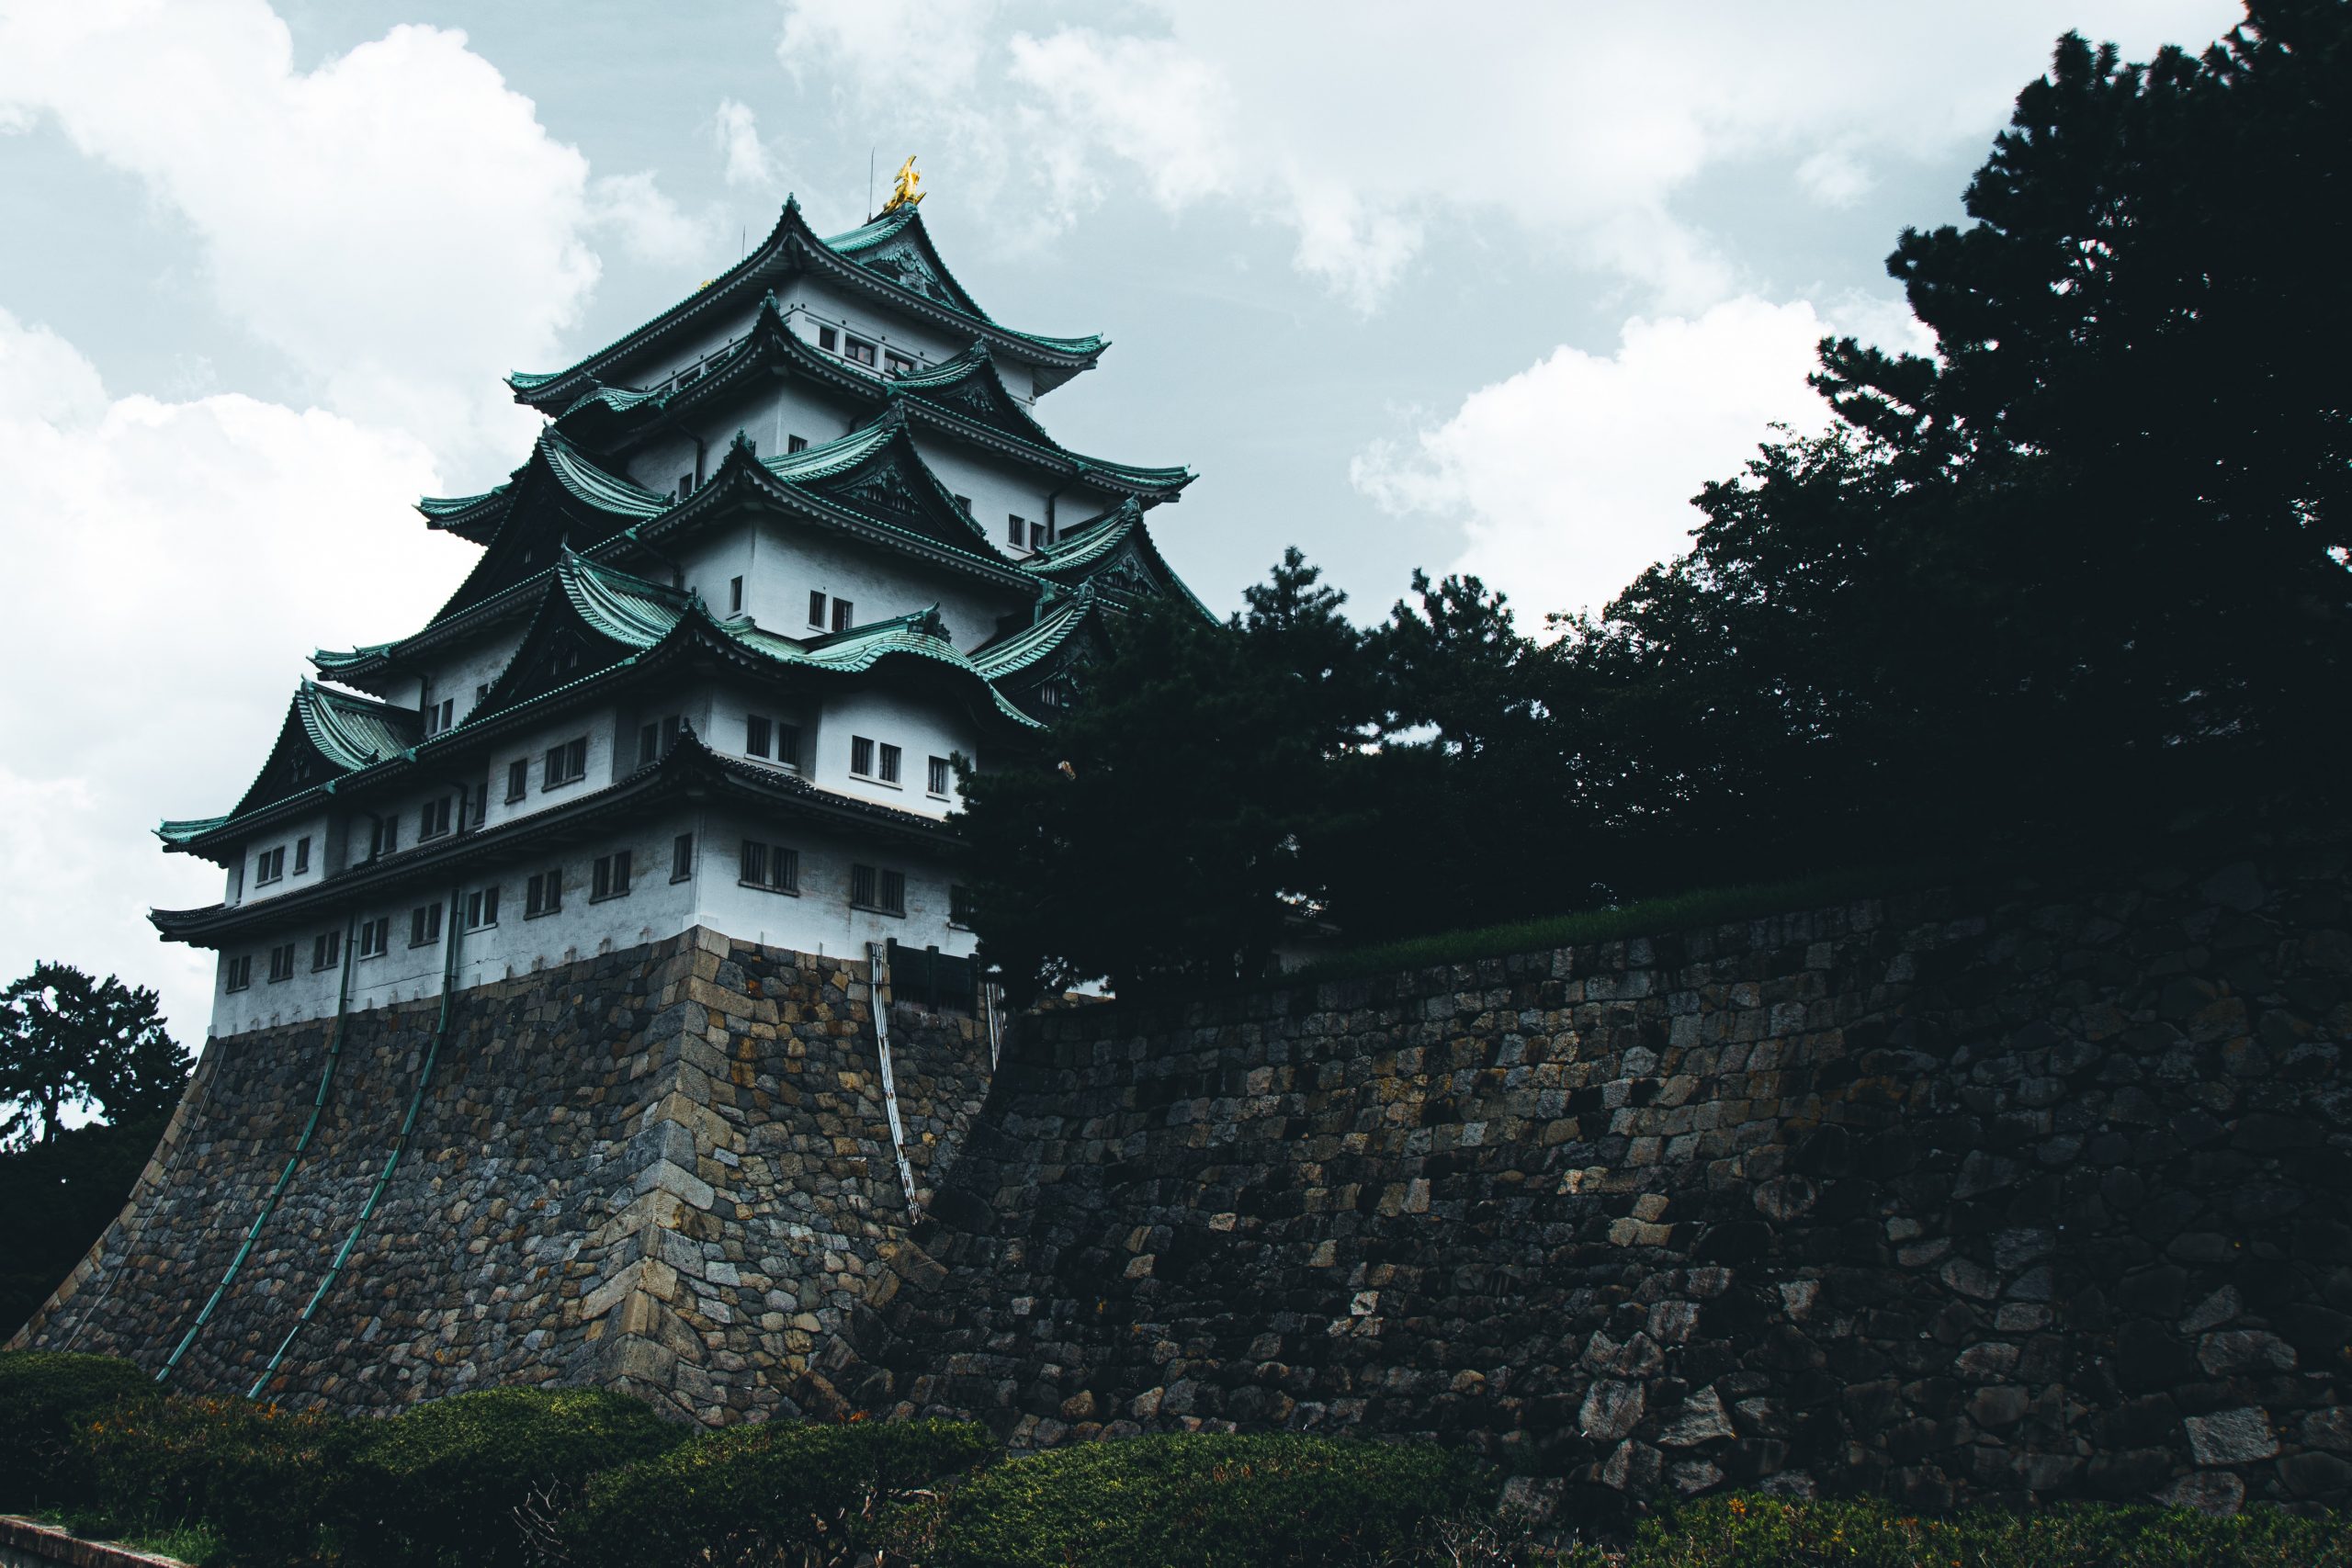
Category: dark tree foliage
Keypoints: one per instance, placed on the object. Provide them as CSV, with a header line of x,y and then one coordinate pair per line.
x,y
70,1043
2087,570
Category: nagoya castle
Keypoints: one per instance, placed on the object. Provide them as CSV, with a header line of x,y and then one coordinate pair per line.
x,y
780,557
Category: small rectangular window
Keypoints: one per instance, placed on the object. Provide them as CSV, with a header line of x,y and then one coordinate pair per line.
x,y
861,756
861,887
609,878
964,504
425,925
827,339
301,855
237,973
482,908
959,906
543,894
685,486
898,364
889,763
648,745
754,868
481,692
682,857
755,736
938,781
383,836
448,712
269,865
1036,536
375,936
788,744
326,949
735,596
771,866
433,819
842,612
566,763
519,778
816,611
281,963
858,352
795,444
1016,530
894,892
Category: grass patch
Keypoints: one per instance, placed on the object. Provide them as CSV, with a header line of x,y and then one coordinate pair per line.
x,y
199,1545
1650,917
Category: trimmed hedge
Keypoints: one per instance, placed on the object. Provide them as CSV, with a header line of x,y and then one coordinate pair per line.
x,y
45,1398
442,1484
1212,1502
1771,1532
766,1493
266,1478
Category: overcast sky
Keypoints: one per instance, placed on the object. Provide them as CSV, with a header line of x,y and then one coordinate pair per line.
x,y
1484,287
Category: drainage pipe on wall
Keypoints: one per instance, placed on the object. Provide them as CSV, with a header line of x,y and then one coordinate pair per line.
x,y
392,1161
285,1176
878,964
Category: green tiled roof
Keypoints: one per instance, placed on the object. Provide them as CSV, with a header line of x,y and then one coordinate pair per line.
x,y
605,493
349,731
181,831
1032,644
450,505
626,608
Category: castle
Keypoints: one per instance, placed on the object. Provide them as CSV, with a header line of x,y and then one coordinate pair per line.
x,y
780,557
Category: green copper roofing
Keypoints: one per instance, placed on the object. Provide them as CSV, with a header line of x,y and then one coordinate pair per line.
x,y
894,254
921,635
183,829
330,662
1089,547
627,609
438,506
967,386
1034,644
605,493
349,731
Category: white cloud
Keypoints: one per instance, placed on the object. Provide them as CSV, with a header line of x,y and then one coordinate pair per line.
x,y
649,226
1572,476
1578,122
396,221
186,556
735,130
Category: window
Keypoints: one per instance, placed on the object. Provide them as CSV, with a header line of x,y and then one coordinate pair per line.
x,y
543,895
269,865
481,692
938,781
861,756
795,444
1016,530
433,819
301,855
519,778
755,736
898,364
482,908
771,866
843,611
857,351
1049,696
237,973
816,611
425,925
439,716
964,504
326,951
301,769
375,936
827,339
655,740
735,596
685,486
889,763
383,836
788,744
682,857
884,891
1036,536
281,963
959,906
566,763
610,879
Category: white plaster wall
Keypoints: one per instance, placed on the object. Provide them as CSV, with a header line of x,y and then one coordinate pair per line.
x,y
243,889
604,765
458,671
919,730
783,560
820,920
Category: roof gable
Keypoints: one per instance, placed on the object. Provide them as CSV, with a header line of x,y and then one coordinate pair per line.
x,y
557,500
897,246
589,618
878,472
325,734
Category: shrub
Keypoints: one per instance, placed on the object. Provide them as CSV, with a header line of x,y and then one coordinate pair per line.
x,y
443,1482
263,1476
44,1397
765,1494
1212,1502
1769,1532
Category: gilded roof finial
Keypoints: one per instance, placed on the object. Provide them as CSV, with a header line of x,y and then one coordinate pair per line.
x,y
903,192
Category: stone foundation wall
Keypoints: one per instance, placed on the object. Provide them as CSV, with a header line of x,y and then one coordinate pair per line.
x,y
665,1169
1950,1195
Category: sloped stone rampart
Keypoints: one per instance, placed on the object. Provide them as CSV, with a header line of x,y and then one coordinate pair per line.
x,y
1955,1195
665,1169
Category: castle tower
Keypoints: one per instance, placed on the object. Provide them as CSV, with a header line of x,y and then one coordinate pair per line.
x,y
779,555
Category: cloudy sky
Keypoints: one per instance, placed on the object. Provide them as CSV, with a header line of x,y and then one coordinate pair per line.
x,y
1487,286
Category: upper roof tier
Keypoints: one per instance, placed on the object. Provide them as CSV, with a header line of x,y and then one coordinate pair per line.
x,y
890,260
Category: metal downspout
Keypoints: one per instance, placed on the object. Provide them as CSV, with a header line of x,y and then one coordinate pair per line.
x,y
879,977
285,1176
392,1160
